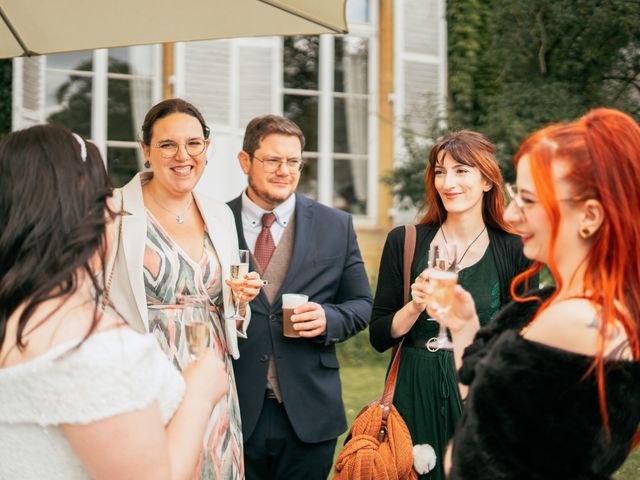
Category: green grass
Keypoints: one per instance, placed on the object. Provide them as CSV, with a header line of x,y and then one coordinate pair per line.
x,y
363,382
631,468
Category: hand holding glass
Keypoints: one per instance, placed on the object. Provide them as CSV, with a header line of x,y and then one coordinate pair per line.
x,y
239,268
195,318
442,275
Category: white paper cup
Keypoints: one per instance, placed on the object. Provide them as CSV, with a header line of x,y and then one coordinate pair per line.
x,y
289,302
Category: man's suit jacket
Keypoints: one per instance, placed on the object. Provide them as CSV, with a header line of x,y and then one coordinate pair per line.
x,y
325,265
127,291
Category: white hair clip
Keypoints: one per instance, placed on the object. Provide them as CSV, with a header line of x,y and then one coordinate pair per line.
x,y
83,146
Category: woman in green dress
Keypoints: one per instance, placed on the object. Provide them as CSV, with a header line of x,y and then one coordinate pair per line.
x,y
463,206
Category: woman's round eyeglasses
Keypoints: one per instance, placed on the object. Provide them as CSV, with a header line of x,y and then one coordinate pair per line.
x,y
522,204
194,147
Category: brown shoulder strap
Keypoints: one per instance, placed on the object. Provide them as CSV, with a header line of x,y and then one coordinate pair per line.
x,y
409,251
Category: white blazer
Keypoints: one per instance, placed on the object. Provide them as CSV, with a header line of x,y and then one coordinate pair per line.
x,y
127,292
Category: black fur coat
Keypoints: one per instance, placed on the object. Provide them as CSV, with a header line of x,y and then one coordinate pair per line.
x,y
532,414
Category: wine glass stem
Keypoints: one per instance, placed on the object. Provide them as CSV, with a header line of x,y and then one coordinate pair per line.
x,y
442,333
237,308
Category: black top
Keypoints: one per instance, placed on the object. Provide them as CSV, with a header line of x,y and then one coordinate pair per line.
x,y
533,412
507,252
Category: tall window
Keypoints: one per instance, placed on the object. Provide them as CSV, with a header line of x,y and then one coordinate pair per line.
x,y
104,95
327,85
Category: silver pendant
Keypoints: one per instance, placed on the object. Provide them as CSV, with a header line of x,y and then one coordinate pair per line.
x,y
180,219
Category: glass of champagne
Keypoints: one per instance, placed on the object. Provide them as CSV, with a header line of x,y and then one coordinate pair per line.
x,y
239,268
195,317
442,275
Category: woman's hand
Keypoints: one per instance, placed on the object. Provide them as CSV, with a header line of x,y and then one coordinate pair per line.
x,y
406,317
462,317
207,377
246,289
420,293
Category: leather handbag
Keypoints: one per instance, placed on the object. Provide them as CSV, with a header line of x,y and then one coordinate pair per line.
x,y
379,444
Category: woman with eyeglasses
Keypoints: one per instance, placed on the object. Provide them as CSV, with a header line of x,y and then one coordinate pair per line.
x,y
82,395
554,380
175,243
464,206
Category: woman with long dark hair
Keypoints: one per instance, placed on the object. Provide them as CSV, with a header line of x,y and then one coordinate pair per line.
x,y
81,394
464,206
555,378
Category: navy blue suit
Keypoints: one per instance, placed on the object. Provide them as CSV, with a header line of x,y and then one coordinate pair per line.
x,y
325,265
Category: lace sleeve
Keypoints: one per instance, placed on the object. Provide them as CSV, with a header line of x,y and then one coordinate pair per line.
x,y
109,374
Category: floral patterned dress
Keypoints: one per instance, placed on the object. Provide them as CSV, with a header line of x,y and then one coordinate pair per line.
x,y
170,273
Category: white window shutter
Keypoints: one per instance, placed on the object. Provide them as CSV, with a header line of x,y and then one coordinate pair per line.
x,y
207,73
420,75
255,78
421,63
28,92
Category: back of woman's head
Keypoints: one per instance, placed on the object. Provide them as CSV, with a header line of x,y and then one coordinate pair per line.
x,y
53,190
475,150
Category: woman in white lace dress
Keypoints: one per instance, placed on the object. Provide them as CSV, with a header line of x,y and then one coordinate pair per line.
x,y
81,394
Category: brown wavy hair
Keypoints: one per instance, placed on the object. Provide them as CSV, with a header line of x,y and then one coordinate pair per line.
x,y
475,150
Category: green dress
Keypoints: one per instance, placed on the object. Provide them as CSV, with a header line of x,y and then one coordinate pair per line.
x,y
426,390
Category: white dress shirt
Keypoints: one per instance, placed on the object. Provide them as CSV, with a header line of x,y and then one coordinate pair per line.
x,y
252,219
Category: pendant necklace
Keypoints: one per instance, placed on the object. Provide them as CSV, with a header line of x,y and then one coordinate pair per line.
x,y
180,216
466,249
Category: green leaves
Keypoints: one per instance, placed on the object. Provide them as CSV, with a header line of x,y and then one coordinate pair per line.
x,y
517,65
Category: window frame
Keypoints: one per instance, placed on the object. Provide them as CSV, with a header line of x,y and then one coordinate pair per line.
x,y
326,95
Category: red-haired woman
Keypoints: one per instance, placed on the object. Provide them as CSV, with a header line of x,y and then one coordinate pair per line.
x,y
464,206
555,379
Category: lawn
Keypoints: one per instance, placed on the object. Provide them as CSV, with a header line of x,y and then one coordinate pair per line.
x,y
363,381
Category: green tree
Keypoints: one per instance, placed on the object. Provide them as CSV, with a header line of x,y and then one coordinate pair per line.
x,y
516,65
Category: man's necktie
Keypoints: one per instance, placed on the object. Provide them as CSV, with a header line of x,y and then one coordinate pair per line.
x,y
265,245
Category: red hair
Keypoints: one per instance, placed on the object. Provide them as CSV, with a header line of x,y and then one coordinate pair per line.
x,y
475,150
601,151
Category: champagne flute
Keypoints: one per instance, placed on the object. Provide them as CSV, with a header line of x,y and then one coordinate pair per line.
x,y
442,275
195,319
239,268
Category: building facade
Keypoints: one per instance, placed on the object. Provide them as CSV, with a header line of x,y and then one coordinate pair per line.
x,y
353,95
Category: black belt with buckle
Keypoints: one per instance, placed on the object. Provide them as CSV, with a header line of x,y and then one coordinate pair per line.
x,y
430,344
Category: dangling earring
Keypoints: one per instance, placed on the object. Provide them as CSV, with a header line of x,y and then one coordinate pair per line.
x,y
206,162
147,164
585,232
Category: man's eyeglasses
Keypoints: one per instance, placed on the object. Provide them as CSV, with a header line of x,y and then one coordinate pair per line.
x,y
523,204
273,164
194,147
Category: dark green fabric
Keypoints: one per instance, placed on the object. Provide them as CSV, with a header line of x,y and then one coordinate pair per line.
x,y
426,390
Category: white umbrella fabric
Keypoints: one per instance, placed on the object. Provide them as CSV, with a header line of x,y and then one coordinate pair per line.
x,y
38,27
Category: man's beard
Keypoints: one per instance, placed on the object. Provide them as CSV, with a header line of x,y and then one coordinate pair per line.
x,y
266,197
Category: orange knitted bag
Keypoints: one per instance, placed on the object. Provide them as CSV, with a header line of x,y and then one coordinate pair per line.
x,y
379,445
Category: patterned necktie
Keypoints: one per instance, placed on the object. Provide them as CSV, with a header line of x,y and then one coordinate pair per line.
x,y
265,244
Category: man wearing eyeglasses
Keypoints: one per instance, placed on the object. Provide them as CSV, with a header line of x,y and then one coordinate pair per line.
x,y
289,388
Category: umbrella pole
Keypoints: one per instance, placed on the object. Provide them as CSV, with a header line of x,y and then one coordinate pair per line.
x,y
15,33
